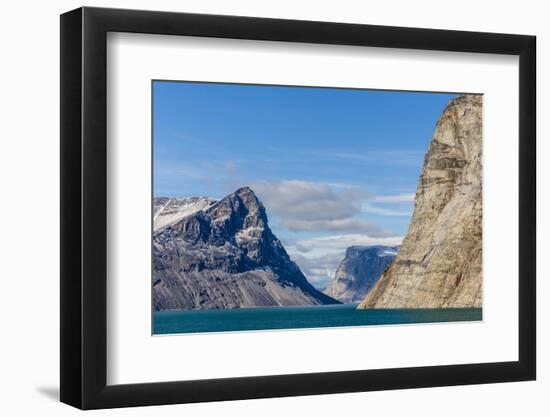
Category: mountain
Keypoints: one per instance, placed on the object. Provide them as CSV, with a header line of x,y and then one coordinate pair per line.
x,y
225,256
440,260
359,271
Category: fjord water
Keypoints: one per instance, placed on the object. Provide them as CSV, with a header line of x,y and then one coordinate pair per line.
x,y
300,317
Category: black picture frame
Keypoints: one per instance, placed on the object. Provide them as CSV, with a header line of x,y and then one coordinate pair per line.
x,y
84,207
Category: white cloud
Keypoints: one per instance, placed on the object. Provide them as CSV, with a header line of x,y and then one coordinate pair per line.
x,y
309,206
324,245
319,271
318,258
379,157
206,171
310,200
369,208
229,168
335,225
403,201
398,198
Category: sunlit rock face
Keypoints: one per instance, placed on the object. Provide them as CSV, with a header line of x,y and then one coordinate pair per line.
x,y
440,260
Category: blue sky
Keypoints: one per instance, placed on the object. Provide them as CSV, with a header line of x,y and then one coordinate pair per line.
x,y
333,167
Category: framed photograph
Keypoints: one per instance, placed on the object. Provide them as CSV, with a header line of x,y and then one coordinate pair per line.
x,y
258,208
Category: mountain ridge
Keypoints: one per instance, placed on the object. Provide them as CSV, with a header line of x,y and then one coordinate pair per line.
x,y
226,256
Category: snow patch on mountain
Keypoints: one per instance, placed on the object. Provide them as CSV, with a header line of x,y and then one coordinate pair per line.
x,y
169,211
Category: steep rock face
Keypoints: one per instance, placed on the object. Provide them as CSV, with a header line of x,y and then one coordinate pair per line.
x,y
359,271
440,261
226,256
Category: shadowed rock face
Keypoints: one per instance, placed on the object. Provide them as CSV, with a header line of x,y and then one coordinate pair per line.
x,y
226,257
359,271
440,260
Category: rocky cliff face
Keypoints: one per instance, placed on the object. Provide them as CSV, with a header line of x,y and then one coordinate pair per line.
x,y
440,261
359,271
226,256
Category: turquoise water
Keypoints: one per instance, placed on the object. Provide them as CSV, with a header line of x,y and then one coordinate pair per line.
x,y
268,318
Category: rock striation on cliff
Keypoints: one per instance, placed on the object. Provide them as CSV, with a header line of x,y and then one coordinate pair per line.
x,y
226,256
359,271
440,260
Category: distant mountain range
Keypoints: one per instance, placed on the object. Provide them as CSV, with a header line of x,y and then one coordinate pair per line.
x,y
359,271
222,254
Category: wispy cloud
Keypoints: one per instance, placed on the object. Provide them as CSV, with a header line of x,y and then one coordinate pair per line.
x,y
323,245
221,167
377,204
201,170
178,171
398,198
187,137
389,157
335,225
383,211
318,258
319,271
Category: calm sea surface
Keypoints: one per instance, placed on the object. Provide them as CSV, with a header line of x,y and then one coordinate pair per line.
x,y
266,318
